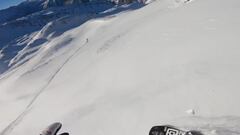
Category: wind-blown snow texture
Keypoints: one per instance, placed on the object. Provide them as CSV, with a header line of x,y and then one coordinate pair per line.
x,y
123,72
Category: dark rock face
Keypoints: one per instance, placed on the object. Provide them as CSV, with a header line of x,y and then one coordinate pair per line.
x,y
120,2
125,1
54,3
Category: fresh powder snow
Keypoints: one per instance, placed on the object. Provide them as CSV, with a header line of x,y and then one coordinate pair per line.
x,y
125,69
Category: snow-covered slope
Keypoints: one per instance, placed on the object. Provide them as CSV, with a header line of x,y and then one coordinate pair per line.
x,y
23,28
122,74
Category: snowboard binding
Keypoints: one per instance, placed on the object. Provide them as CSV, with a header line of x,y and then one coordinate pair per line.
x,y
171,130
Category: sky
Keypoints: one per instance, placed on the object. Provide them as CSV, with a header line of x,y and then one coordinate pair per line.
x,y
7,3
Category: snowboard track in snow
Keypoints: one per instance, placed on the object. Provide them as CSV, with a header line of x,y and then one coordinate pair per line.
x,y
15,122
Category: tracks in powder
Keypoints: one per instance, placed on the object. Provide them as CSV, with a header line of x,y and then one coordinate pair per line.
x,y
14,123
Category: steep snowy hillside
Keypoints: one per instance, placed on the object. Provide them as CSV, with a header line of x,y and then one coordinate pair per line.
x,y
25,22
121,74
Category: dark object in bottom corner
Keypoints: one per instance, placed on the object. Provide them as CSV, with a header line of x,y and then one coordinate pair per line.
x,y
64,134
195,132
171,130
53,129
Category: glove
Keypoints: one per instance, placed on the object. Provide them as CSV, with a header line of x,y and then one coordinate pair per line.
x,y
53,129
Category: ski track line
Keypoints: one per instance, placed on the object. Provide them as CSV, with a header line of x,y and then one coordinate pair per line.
x,y
15,122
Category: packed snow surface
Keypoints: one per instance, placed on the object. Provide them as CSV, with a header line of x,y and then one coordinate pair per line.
x,y
122,74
